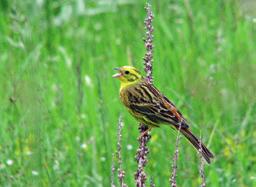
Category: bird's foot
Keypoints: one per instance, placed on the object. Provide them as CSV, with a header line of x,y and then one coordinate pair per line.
x,y
144,133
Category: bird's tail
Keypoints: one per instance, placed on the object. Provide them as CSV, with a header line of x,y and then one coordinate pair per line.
x,y
196,143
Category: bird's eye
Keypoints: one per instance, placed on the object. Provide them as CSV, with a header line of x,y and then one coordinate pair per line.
x,y
126,72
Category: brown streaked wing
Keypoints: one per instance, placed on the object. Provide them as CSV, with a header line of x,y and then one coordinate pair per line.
x,y
148,101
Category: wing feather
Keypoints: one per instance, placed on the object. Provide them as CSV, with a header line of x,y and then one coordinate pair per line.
x,y
146,100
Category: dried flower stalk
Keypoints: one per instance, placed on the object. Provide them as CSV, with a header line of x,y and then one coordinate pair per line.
x,y
141,156
120,170
152,184
113,170
148,58
118,154
173,182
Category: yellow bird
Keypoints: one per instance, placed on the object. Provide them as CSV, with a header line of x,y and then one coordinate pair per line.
x,y
150,107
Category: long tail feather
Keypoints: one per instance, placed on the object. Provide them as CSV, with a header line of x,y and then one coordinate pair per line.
x,y
207,154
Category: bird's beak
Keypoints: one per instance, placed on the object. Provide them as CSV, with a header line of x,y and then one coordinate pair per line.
x,y
117,75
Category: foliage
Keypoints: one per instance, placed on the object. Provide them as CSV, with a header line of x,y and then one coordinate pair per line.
x,y
59,104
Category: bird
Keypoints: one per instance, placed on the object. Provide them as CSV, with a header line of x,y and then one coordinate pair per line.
x,y
150,107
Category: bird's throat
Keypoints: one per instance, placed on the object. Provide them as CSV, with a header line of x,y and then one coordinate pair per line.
x,y
127,84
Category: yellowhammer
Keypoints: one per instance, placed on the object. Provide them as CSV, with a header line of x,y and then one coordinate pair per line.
x,y
150,107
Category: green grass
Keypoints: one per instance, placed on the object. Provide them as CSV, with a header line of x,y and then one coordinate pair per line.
x,y
59,105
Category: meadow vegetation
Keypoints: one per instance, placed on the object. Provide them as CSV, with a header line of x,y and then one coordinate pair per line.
x,y
59,106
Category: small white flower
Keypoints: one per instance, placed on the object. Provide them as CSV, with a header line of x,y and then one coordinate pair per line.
x,y
129,147
84,146
9,162
68,62
103,159
40,2
234,180
88,81
35,173
82,116
253,177
28,153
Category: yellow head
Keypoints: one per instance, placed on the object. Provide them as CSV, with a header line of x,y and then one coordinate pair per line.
x,y
128,75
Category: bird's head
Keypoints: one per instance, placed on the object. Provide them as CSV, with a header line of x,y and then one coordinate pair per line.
x,y
127,75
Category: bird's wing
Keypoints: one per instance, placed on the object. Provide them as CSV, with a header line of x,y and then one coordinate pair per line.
x,y
148,101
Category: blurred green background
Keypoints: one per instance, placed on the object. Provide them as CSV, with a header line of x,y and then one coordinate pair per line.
x,y
59,106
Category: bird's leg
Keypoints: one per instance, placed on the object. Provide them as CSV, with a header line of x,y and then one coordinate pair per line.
x,y
145,132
